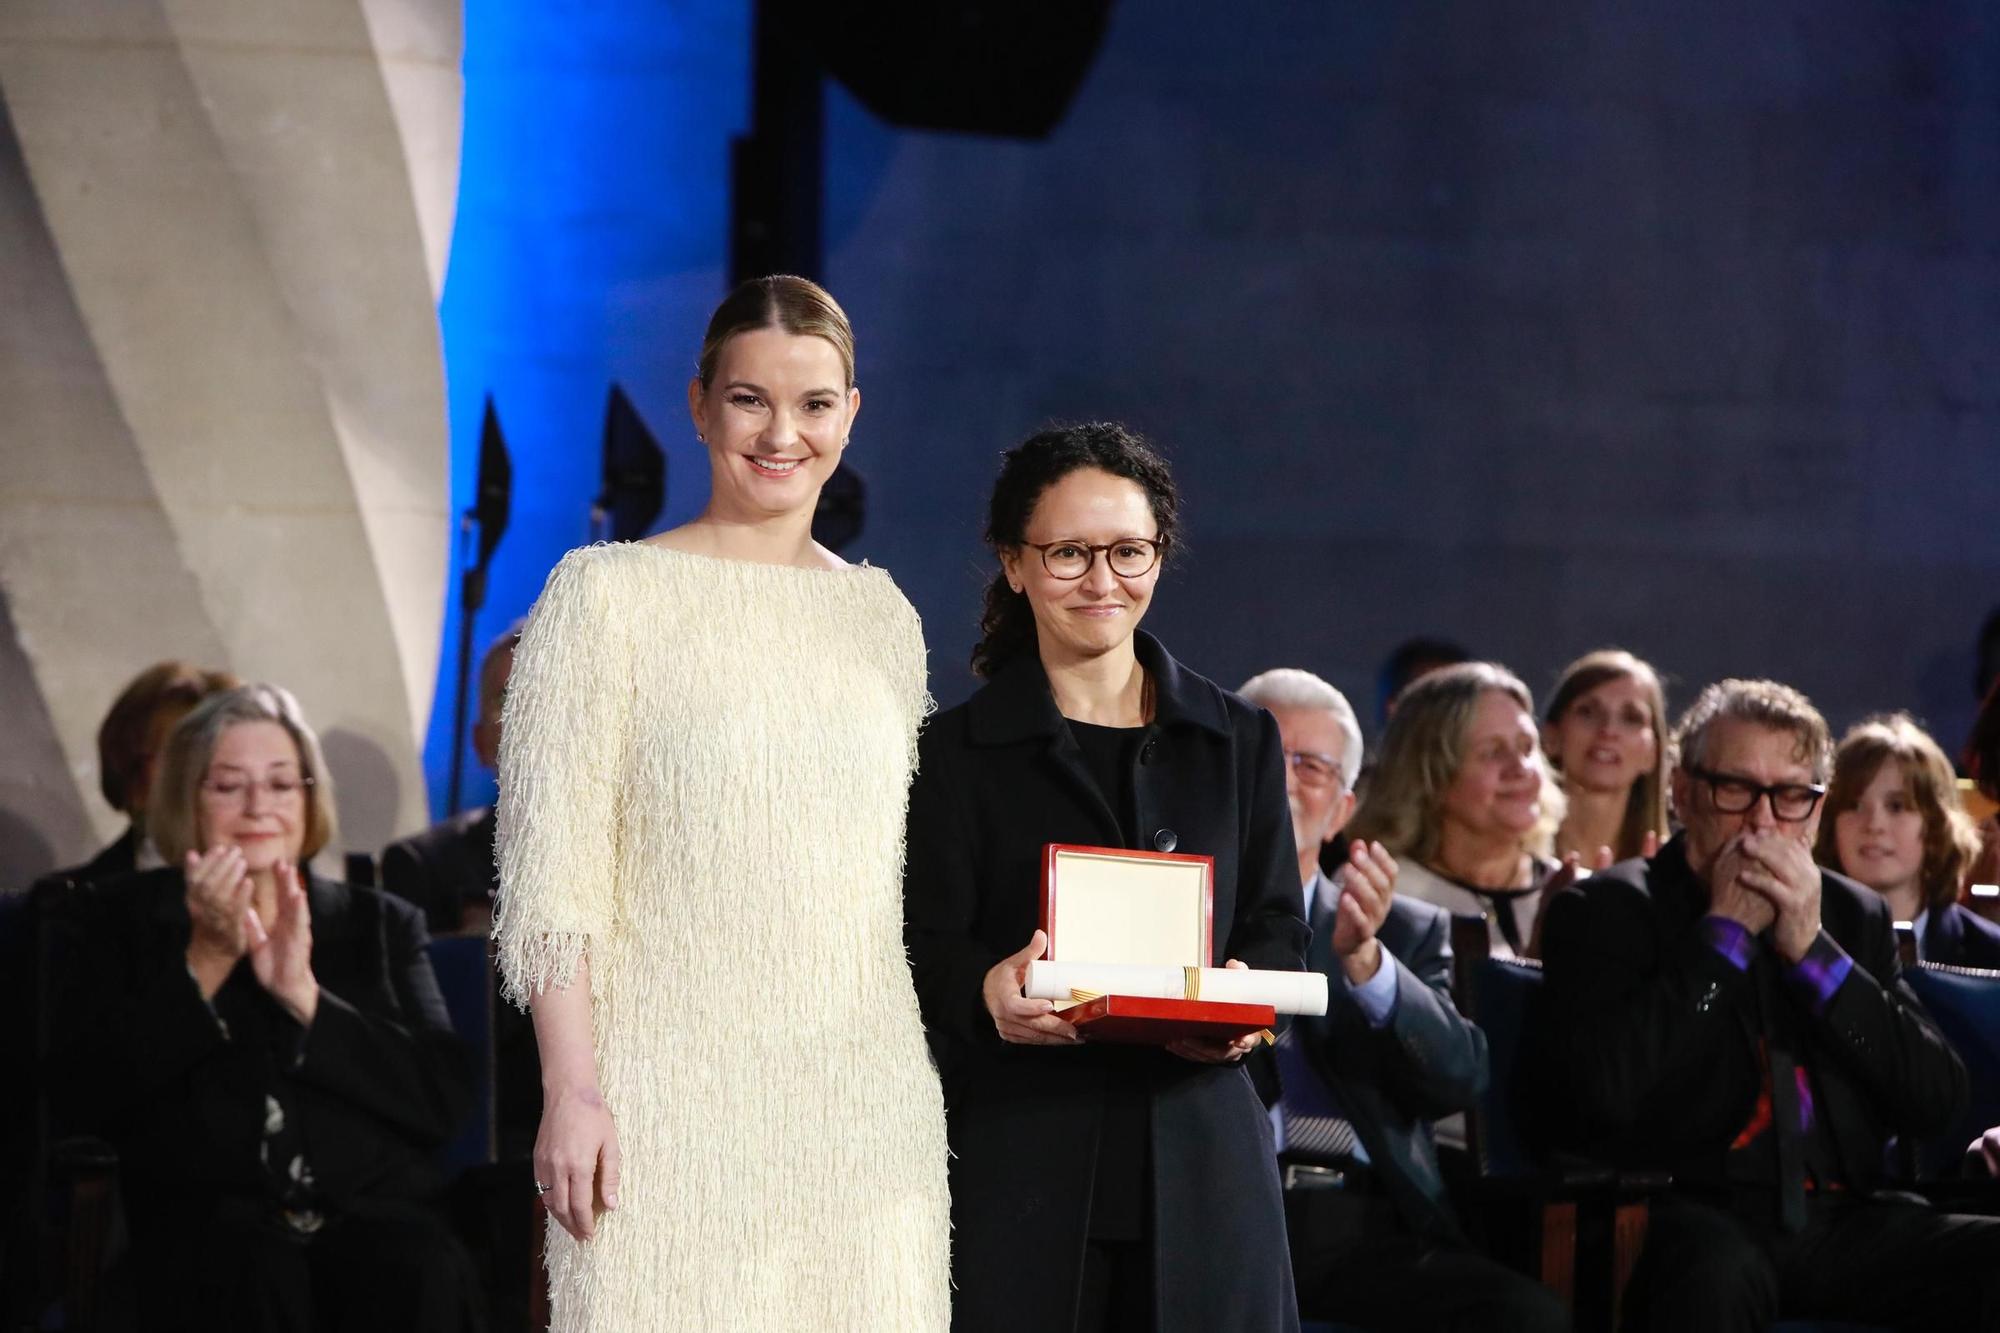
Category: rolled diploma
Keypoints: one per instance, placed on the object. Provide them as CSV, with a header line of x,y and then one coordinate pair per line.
x,y
1286,992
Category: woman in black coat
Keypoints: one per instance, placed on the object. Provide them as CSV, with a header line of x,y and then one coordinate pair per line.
x,y
268,1051
1095,1186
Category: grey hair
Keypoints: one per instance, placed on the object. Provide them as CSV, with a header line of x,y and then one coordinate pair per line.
x,y
1291,687
173,813
1767,703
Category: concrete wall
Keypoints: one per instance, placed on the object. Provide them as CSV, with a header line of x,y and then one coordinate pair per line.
x,y
223,396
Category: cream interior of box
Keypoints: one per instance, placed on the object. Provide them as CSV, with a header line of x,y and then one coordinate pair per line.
x,y
1116,909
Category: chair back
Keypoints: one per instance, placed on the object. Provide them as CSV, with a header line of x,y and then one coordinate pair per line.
x,y
1500,995
464,975
1964,1002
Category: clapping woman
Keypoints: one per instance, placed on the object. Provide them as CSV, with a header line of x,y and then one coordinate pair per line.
x,y
267,1049
1095,1187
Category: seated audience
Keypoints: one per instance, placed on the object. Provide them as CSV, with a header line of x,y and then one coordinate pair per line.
x,y
1373,1238
128,741
1730,1013
1605,731
1461,797
266,1049
1893,823
448,869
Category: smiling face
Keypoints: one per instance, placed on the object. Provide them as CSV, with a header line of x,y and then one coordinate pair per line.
x,y
1605,740
1497,791
775,418
253,795
1082,618
1881,838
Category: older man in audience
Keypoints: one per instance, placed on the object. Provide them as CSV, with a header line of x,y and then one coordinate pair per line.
x,y
1732,1013
1373,1238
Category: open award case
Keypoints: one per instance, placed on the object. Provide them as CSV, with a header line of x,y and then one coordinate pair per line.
x,y
1110,905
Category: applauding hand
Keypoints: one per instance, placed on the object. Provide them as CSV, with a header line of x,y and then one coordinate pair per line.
x,y
282,955
1367,889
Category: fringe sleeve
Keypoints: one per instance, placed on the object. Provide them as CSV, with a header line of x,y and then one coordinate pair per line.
x,y
563,751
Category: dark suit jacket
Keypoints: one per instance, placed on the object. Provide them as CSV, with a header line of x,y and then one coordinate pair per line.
x,y
446,866
118,857
999,777
1656,1033
378,1082
1962,938
1428,1061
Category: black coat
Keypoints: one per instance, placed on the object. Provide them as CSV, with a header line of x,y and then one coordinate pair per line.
x,y
445,867
377,1083
1656,1034
998,778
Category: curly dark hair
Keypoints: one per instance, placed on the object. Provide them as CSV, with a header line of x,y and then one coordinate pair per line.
x,y
1007,624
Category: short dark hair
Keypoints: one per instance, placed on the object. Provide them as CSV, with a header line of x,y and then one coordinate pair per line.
x,y
1007,624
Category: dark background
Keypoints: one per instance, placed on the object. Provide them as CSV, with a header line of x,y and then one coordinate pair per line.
x,y
1539,326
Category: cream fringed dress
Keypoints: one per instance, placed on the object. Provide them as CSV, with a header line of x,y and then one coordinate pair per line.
x,y
702,785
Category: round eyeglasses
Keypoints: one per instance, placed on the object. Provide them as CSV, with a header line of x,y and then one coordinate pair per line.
x,y
1128,557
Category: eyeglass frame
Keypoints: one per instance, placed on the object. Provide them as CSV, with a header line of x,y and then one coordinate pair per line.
x,y
1336,781
1159,545
1758,792
208,789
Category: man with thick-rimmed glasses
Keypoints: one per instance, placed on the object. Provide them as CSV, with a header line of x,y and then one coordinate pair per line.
x,y
1730,1012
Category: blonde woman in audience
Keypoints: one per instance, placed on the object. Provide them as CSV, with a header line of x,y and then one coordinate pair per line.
x,y
1462,797
1893,822
1605,733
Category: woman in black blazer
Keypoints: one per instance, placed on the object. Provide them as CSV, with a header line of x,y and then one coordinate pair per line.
x,y
1893,821
268,1051
1095,1186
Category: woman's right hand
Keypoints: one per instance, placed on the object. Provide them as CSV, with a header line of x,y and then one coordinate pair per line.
x,y
1017,1018
218,906
576,1156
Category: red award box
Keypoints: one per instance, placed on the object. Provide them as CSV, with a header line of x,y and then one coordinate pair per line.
x,y
1111,905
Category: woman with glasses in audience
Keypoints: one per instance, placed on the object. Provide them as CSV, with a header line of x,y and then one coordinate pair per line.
x,y
267,1050
1893,822
1461,797
704,761
1605,734
1095,1186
